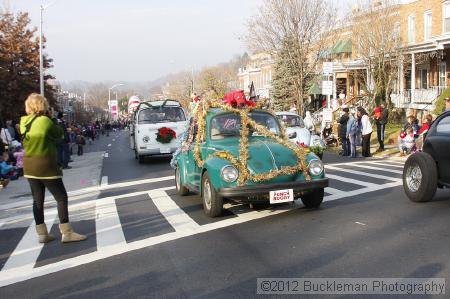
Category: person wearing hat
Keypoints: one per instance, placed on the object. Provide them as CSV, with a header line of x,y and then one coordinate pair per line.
x,y
381,118
342,132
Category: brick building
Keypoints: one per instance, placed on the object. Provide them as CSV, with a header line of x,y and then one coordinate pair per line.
x,y
425,31
259,71
423,27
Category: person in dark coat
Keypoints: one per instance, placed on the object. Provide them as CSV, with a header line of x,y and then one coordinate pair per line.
x,y
342,132
63,145
381,121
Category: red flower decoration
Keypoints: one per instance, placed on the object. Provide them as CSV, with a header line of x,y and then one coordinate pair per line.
x,y
302,144
165,135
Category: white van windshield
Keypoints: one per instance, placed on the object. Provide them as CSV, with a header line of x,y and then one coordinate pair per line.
x,y
160,115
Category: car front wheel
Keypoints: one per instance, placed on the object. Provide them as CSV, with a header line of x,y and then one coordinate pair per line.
x,y
212,202
420,177
313,199
181,189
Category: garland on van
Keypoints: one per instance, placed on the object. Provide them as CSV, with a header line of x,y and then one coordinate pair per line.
x,y
241,162
165,135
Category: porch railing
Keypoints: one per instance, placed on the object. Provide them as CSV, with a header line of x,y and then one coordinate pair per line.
x,y
421,96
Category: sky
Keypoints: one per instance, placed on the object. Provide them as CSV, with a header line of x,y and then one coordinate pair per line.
x,y
138,40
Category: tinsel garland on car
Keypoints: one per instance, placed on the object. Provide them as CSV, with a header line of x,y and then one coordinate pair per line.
x,y
240,163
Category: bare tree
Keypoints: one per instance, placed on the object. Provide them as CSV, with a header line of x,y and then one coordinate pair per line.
x,y
97,96
179,88
375,27
214,82
300,30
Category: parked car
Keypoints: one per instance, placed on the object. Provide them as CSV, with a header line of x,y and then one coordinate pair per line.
x,y
217,178
295,128
428,170
156,128
299,134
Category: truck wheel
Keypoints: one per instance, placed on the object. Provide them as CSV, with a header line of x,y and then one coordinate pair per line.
x,y
212,203
141,159
181,190
313,199
420,177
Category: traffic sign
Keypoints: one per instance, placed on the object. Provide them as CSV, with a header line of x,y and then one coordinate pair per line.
x,y
327,68
327,115
327,88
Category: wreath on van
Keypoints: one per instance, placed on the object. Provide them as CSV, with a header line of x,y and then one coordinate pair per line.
x,y
165,135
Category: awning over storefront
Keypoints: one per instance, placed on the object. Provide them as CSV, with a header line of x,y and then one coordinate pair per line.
x,y
342,46
324,53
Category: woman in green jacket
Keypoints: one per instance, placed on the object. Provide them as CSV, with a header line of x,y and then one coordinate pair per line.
x,y
40,166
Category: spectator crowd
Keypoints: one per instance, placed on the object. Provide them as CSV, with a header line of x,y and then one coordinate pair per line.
x,y
73,141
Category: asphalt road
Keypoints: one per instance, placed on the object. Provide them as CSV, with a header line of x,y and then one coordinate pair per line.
x,y
146,242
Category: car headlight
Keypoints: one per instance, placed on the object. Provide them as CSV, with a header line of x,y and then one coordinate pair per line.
x,y
315,167
146,139
229,174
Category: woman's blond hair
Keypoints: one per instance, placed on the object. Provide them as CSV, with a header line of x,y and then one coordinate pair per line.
x,y
36,104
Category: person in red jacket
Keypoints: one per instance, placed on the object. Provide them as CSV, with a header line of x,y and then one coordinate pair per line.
x,y
425,124
423,130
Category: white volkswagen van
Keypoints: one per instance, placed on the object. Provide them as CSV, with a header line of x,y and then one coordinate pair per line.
x,y
148,119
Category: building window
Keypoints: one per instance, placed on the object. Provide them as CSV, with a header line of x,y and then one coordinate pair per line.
x,y
428,21
442,75
411,29
446,16
397,31
424,78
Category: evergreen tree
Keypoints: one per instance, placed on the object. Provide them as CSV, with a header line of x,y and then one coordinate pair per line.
x,y
290,83
283,93
19,64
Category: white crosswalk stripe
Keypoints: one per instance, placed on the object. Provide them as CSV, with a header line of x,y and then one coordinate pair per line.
x,y
372,175
107,225
27,251
377,168
386,164
349,180
179,220
111,238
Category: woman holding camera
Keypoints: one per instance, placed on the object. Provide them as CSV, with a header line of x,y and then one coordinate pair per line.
x,y
40,136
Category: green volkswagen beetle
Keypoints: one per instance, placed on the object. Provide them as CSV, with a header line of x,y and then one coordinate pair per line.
x,y
211,162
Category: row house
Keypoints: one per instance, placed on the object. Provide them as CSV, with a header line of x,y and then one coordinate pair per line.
x,y
425,31
423,27
259,70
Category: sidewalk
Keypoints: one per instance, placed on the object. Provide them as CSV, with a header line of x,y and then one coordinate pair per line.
x,y
16,199
390,151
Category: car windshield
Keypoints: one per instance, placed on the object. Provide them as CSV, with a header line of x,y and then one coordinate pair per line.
x,y
160,114
228,125
291,120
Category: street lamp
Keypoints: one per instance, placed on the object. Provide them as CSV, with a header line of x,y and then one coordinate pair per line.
x,y
109,96
41,56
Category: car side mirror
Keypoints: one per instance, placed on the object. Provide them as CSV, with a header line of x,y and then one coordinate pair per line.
x,y
292,135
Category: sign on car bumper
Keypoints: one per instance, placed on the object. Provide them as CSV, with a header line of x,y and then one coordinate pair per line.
x,y
263,190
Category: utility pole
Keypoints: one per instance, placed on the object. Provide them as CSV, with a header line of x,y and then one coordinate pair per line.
x,y
41,56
